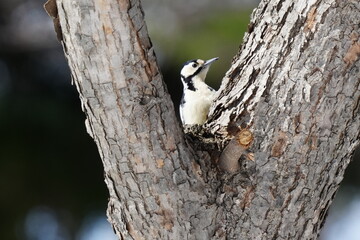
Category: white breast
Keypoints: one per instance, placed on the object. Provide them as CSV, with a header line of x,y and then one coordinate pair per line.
x,y
197,103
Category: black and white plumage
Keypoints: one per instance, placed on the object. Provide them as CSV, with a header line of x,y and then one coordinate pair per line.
x,y
197,96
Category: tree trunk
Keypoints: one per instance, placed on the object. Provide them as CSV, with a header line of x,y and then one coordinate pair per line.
x,y
292,91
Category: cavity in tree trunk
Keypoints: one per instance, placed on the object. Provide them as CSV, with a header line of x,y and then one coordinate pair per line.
x,y
290,102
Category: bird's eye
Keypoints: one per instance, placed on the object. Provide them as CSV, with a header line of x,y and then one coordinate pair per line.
x,y
194,65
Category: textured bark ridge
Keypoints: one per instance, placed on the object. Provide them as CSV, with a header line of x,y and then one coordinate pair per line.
x,y
294,86
154,181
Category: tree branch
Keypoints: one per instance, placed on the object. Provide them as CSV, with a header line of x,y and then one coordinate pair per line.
x,y
150,171
294,86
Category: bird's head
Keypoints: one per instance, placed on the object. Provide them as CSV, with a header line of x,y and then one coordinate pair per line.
x,y
196,68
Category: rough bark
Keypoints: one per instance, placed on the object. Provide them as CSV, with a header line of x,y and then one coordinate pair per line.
x,y
294,86
154,182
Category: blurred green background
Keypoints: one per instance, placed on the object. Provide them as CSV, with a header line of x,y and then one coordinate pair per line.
x,y
51,176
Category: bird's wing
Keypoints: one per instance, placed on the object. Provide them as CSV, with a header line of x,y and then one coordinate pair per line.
x,y
181,116
180,110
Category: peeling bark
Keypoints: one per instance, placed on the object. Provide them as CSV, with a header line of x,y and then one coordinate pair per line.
x,y
294,85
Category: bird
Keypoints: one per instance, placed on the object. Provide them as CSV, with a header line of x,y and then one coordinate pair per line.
x,y
197,95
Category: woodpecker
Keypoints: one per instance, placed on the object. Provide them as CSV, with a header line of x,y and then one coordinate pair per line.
x,y
197,96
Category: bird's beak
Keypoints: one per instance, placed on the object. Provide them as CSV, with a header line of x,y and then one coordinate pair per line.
x,y
210,61
205,68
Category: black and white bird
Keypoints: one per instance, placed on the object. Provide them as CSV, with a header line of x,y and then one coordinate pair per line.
x,y
197,96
